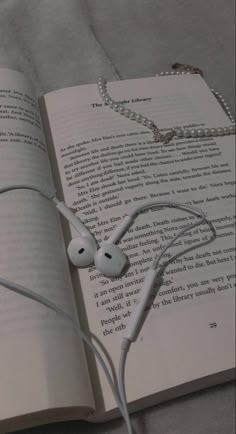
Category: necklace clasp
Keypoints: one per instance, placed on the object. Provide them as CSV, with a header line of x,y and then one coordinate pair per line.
x,y
187,68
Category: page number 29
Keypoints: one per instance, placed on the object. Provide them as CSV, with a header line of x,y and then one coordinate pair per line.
x,y
213,325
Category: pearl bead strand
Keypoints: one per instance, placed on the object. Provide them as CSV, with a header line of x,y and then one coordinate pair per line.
x,y
102,87
177,132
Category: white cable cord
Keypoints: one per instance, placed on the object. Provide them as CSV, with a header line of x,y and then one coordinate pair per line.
x,y
120,398
126,342
121,382
28,293
178,205
47,192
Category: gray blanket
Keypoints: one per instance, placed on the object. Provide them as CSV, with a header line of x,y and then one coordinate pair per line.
x,y
62,43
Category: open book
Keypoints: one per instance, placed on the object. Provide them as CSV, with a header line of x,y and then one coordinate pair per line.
x,y
103,165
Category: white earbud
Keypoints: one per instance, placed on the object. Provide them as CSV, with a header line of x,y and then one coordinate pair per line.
x,y
110,260
82,250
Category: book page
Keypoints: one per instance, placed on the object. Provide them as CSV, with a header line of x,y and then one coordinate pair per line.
x,y
42,363
108,166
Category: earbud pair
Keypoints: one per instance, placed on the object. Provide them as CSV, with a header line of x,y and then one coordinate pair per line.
x,y
109,259
83,251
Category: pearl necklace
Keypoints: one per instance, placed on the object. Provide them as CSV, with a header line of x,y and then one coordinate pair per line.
x,y
179,131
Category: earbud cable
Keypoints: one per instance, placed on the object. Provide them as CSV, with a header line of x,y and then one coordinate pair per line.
x,y
47,192
126,342
120,397
28,293
178,205
121,382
